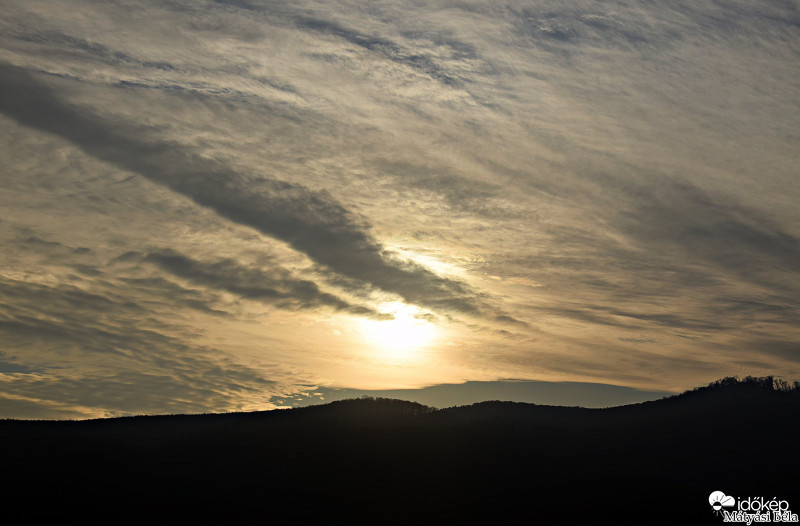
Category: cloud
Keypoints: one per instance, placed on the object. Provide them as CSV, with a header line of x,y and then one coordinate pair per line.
x,y
276,286
680,217
448,395
385,48
636,162
39,316
26,408
128,392
167,293
312,222
78,48
459,193
105,353
764,350
10,366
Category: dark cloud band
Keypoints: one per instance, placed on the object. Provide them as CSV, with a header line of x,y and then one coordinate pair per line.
x,y
311,222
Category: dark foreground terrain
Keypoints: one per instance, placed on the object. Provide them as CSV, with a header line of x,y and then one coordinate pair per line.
x,y
382,461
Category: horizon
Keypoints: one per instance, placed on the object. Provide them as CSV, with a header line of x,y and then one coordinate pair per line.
x,y
776,385
437,398
224,206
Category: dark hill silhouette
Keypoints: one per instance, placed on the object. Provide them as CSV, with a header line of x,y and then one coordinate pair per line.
x,y
383,461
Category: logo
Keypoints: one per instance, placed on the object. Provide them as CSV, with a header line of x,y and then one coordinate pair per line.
x,y
718,500
750,509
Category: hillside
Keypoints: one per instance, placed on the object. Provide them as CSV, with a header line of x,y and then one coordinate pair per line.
x,y
388,461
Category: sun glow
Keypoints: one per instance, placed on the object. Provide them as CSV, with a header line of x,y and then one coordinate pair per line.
x,y
402,337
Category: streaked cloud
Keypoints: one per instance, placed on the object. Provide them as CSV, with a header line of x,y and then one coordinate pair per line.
x,y
571,192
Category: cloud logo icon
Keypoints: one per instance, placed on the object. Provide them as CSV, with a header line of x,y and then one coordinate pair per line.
x,y
718,500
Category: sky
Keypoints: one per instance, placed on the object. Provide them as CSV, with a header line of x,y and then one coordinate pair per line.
x,y
237,205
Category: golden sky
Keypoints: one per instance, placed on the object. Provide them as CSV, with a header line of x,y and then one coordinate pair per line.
x,y
216,205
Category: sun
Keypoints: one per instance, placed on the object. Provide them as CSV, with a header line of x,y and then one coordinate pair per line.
x,y
402,337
